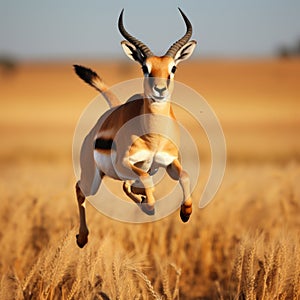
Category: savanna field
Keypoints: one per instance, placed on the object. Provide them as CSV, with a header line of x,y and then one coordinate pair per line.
x,y
244,245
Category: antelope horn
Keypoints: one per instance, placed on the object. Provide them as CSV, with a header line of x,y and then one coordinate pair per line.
x,y
177,45
138,44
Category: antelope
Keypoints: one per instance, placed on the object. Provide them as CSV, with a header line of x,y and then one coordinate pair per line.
x,y
134,158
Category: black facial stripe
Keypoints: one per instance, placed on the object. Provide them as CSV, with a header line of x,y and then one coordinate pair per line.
x,y
145,69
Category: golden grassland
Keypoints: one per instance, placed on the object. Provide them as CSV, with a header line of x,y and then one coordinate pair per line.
x,y
243,245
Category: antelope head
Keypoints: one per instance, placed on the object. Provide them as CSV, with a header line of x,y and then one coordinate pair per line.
x,y
158,70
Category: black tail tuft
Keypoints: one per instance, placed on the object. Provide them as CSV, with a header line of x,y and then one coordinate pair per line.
x,y
92,78
85,74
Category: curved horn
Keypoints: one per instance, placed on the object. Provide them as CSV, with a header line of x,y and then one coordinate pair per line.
x,y
177,45
138,44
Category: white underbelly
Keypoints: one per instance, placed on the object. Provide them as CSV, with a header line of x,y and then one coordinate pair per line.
x,y
164,159
105,163
146,160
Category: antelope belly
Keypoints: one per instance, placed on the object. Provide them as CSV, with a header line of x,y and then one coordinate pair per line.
x,y
143,159
164,158
105,162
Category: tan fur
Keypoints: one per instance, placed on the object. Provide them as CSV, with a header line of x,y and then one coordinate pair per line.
x,y
160,65
151,142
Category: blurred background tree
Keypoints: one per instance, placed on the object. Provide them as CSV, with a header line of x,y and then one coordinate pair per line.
x,y
8,65
286,51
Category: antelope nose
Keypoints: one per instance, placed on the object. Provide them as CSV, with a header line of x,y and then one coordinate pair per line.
x,y
160,89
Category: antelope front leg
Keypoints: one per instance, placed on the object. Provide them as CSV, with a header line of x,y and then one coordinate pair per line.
x,y
131,192
148,201
82,237
147,204
177,173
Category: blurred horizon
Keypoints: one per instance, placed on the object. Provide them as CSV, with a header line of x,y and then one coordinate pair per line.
x,y
41,31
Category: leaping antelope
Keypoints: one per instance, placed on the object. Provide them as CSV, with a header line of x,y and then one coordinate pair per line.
x,y
134,158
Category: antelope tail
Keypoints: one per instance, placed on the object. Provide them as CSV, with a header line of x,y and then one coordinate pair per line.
x,y
92,78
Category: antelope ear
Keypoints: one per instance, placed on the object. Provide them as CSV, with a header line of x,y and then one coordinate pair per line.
x,y
185,52
132,52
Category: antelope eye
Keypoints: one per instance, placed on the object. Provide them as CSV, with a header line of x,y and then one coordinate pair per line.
x,y
145,69
173,69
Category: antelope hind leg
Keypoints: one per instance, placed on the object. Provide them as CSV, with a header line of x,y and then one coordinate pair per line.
x,y
82,236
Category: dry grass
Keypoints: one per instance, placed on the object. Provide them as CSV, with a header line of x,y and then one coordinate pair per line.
x,y
244,245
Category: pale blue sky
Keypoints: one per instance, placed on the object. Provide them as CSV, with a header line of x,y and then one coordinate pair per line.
x,y
35,29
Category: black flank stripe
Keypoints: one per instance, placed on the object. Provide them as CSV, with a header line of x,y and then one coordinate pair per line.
x,y
104,144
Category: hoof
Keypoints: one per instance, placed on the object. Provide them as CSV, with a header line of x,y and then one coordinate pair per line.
x,y
81,241
149,212
184,217
146,208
